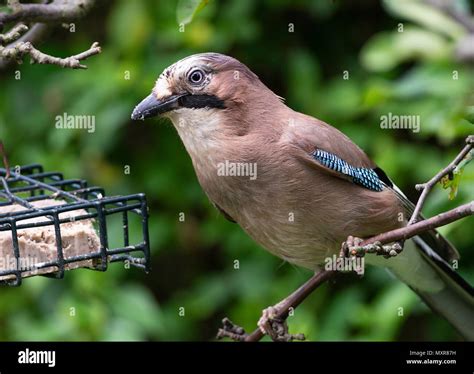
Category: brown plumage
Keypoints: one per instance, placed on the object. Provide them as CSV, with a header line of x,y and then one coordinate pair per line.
x,y
296,207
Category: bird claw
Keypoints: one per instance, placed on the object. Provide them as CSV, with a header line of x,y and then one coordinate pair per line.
x,y
268,314
352,248
275,327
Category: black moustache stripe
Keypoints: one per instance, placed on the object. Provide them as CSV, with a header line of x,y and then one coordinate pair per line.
x,y
201,101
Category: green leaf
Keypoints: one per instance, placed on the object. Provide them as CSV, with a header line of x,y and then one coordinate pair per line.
x,y
469,114
136,305
425,15
136,16
386,50
435,80
452,181
187,9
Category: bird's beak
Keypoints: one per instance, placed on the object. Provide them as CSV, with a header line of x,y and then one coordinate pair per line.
x,y
152,107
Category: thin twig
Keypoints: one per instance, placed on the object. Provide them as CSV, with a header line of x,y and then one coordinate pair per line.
x,y
295,299
426,187
38,57
6,164
388,237
403,233
14,34
412,229
14,45
35,34
399,234
417,228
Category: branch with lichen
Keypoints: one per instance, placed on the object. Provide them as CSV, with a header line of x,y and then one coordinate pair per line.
x,y
277,327
56,11
416,223
17,43
37,57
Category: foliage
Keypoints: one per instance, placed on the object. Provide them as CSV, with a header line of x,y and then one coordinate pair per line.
x,y
187,9
409,72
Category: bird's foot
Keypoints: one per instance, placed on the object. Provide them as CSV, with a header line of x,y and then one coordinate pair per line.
x,y
276,327
352,248
268,315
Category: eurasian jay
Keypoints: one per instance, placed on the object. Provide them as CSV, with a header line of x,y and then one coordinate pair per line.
x,y
313,186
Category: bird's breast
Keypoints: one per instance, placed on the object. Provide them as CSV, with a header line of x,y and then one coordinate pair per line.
x,y
269,203
296,213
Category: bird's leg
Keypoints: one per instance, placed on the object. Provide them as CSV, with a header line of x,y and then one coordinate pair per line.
x,y
275,327
353,247
5,160
273,319
268,315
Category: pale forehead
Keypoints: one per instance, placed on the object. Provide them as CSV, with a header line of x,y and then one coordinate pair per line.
x,y
183,66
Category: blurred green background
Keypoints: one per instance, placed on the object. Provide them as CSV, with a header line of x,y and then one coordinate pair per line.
x,y
408,72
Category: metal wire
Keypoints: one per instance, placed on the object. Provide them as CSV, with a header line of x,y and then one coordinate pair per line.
x,y
30,184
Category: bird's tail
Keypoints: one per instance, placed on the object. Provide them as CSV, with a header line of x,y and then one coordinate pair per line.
x,y
425,265
434,280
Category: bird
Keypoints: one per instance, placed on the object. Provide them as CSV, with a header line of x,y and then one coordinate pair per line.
x,y
311,186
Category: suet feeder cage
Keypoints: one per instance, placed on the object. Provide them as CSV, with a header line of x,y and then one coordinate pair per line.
x,y
49,224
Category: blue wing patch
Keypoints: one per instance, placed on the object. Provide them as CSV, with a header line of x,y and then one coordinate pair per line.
x,y
364,177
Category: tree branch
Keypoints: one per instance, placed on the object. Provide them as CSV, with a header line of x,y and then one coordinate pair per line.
x,y
427,187
14,34
15,44
35,34
38,57
230,330
296,299
47,13
417,228
412,229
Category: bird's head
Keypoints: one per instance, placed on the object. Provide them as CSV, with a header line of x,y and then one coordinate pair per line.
x,y
205,86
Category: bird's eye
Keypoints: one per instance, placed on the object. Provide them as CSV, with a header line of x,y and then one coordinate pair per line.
x,y
196,76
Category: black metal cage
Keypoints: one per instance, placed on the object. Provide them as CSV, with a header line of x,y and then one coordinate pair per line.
x,y
29,184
